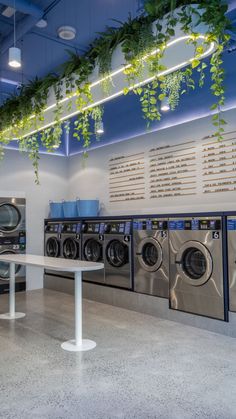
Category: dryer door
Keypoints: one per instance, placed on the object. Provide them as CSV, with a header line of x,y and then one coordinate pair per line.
x,y
70,248
194,263
149,254
117,253
92,250
10,217
5,267
52,247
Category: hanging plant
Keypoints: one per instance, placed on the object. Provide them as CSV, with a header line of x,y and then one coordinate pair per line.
x,y
137,37
97,115
171,88
30,145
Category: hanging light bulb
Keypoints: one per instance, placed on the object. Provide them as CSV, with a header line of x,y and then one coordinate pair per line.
x,y
14,57
100,128
14,52
165,105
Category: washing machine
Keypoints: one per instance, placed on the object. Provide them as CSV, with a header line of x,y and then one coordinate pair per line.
x,y
70,243
93,248
118,253
52,239
12,215
12,243
151,256
231,239
197,283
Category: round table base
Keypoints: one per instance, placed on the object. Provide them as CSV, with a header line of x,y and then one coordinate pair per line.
x,y
7,316
86,345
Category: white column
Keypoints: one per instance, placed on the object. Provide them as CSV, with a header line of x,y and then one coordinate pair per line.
x,y
12,290
78,309
12,313
78,344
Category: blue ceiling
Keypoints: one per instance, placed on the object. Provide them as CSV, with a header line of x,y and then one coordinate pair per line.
x,y
43,52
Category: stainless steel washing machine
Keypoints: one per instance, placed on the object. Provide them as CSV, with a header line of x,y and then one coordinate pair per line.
x,y
231,238
196,266
93,248
118,253
12,215
12,243
52,245
70,243
151,256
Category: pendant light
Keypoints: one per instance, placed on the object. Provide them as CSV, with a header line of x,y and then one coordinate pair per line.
x,y
99,128
14,52
165,104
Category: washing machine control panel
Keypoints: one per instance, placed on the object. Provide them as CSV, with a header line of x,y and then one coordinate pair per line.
x,y
93,227
16,242
150,224
195,224
118,227
52,228
71,228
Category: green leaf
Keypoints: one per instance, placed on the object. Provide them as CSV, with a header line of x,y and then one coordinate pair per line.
x,y
195,63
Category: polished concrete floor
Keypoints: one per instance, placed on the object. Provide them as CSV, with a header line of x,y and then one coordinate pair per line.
x,y
142,367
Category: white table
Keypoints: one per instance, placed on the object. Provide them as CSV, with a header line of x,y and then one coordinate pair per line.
x,y
65,265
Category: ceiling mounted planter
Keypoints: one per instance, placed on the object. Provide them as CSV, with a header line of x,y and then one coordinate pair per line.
x,y
178,53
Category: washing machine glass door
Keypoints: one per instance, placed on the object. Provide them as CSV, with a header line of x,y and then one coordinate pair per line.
x,y
52,247
5,267
10,217
117,253
149,254
194,263
92,250
70,248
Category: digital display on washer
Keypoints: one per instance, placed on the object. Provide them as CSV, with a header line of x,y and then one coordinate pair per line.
x,y
90,228
96,228
155,225
114,228
188,225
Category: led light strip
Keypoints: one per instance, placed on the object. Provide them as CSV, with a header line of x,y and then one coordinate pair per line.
x,y
120,93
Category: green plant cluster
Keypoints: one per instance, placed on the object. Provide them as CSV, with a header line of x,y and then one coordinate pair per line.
x,y
137,38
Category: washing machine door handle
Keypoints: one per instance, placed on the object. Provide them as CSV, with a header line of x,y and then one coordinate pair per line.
x,y
178,262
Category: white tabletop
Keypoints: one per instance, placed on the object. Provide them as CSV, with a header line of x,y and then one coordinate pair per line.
x,y
57,264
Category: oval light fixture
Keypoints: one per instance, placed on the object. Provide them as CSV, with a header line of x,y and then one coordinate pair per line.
x,y
66,32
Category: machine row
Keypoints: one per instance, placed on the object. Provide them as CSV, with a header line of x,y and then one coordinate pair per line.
x,y
183,259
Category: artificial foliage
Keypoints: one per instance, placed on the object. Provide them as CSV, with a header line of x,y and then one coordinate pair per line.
x,y
137,38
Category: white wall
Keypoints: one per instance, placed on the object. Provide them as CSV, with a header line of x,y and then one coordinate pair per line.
x,y
17,179
89,179
68,178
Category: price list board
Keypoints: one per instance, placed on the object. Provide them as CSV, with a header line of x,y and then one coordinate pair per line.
x,y
127,178
219,164
172,170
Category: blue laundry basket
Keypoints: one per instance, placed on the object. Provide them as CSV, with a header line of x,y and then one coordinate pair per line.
x,y
88,207
56,209
70,209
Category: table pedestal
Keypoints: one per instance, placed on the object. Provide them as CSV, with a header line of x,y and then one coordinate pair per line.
x,y
78,344
12,314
